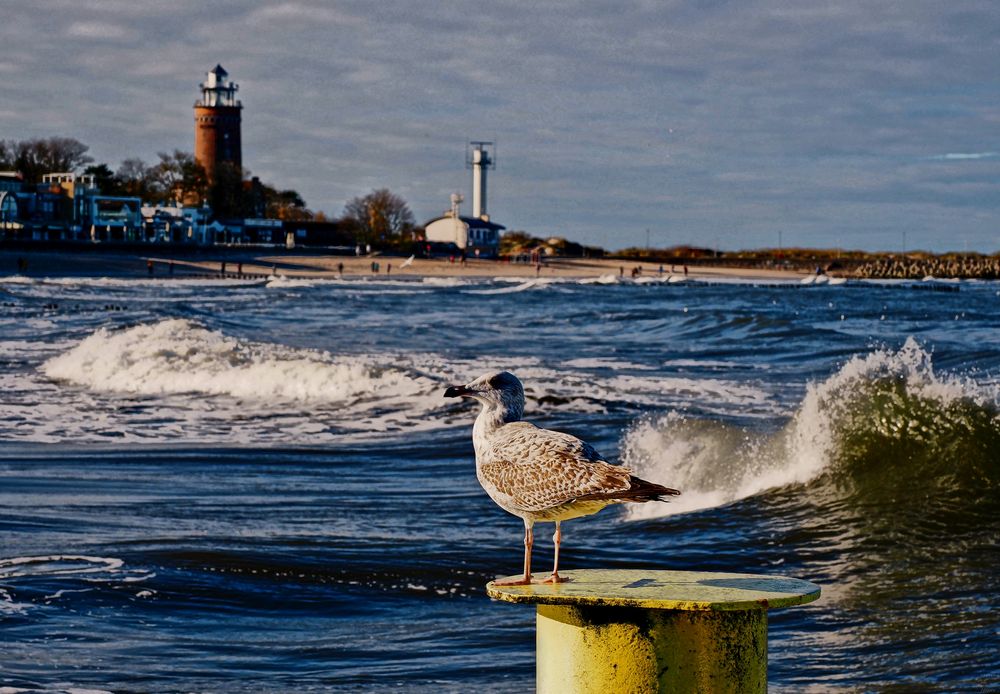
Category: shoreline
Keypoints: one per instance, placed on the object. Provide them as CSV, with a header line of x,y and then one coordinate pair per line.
x,y
58,264
308,264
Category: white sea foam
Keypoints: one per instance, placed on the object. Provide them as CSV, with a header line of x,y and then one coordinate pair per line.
x,y
707,364
257,392
714,463
444,281
539,283
606,363
146,282
603,279
57,565
178,356
58,568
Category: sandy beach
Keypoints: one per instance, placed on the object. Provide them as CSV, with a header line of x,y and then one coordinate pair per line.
x,y
291,264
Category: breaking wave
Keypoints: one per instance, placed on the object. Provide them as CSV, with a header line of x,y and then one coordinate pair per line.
x,y
177,380
179,356
885,426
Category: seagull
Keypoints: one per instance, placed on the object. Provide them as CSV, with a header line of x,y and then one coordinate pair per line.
x,y
541,475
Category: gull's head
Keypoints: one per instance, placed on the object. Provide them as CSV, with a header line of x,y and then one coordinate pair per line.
x,y
500,389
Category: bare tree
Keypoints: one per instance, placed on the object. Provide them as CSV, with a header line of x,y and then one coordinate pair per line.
x,y
136,178
179,177
35,158
379,216
287,205
7,155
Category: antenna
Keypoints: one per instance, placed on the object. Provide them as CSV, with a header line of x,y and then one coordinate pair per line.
x,y
488,154
456,201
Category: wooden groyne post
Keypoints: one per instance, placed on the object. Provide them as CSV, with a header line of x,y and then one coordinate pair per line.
x,y
609,630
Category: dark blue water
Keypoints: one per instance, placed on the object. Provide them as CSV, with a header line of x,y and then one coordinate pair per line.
x,y
258,487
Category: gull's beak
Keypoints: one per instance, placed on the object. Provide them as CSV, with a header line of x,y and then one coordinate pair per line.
x,y
457,392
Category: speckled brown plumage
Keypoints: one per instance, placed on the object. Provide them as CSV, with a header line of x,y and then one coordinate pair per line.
x,y
539,474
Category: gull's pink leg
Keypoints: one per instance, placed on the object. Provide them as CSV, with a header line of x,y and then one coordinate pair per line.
x,y
555,577
529,540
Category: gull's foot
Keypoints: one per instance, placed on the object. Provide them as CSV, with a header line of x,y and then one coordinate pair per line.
x,y
520,581
555,578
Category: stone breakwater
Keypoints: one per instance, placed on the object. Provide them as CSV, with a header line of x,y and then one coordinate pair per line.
x,y
985,268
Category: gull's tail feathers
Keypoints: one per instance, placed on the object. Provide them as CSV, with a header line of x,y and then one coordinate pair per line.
x,y
641,490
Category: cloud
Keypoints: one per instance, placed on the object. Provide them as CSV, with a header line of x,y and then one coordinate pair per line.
x,y
96,30
298,12
966,156
694,119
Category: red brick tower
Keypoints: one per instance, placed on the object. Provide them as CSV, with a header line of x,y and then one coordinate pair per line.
x,y
217,123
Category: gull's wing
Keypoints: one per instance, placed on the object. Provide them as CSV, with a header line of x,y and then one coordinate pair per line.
x,y
540,469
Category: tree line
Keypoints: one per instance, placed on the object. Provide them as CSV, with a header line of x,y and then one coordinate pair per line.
x,y
380,218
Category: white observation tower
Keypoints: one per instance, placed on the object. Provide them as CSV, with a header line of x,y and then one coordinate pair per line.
x,y
480,158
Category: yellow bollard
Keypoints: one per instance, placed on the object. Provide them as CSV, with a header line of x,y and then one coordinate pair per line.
x,y
608,630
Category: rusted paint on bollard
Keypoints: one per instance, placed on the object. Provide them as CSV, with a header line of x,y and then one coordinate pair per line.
x,y
649,631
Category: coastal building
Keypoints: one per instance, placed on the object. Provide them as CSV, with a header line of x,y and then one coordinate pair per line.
x,y
471,236
475,235
177,224
281,233
98,217
11,182
68,207
217,141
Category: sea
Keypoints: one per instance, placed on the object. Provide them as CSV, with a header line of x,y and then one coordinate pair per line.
x,y
257,486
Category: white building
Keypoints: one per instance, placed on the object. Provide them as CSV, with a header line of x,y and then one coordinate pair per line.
x,y
467,233
177,224
473,236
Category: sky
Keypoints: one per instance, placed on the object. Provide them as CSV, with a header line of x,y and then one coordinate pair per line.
x,y
853,124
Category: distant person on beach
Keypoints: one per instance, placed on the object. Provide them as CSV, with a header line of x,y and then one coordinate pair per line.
x,y
538,268
388,268
621,271
239,269
661,271
222,268
685,270
149,267
340,269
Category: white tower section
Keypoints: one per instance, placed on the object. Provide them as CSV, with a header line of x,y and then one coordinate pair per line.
x,y
481,160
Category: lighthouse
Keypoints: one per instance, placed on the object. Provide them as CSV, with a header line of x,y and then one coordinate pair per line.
x,y
217,124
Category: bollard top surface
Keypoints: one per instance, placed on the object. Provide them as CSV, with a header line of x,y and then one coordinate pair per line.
x,y
664,590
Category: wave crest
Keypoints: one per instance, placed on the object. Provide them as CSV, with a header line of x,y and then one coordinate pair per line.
x,y
884,422
179,356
